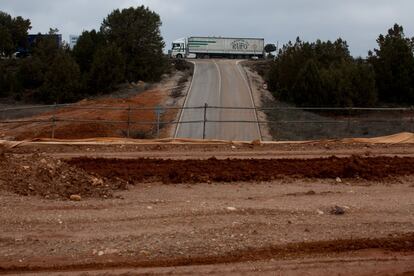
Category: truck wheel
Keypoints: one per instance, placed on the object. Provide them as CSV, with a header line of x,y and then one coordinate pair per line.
x,y
179,56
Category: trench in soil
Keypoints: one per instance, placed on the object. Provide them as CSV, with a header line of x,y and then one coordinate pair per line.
x,y
234,170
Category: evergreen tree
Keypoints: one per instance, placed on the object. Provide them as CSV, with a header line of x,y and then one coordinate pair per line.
x,y
107,69
136,31
393,62
62,80
307,90
321,74
13,33
86,47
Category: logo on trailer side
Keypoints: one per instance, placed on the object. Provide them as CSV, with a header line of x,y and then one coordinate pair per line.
x,y
240,45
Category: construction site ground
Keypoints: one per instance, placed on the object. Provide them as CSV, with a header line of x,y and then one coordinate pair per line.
x,y
122,207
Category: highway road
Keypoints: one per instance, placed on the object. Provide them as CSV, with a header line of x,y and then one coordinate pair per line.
x,y
219,83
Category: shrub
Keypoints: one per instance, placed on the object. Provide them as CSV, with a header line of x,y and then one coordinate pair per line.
x,y
321,74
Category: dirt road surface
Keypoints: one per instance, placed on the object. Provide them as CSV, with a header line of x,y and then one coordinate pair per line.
x,y
215,229
219,83
293,224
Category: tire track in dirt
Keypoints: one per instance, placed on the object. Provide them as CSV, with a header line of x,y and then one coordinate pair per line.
x,y
402,244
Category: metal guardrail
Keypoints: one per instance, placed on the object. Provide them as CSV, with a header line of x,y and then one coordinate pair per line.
x,y
52,116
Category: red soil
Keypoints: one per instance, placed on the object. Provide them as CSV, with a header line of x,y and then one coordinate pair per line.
x,y
199,171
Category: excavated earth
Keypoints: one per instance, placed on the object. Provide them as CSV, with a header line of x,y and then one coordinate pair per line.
x,y
233,170
53,178
348,215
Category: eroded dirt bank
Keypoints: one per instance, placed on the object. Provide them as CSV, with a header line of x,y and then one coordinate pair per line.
x,y
233,170
52,178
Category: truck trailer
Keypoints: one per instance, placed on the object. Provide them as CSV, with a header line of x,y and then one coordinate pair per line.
x,y
212,47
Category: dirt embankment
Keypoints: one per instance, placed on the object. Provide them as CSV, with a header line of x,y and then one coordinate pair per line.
x,y
39,175
77,121
51,178
214,170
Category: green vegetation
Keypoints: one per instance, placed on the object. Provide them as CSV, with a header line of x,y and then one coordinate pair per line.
x,y
137,33
325,74
128,47
269,49
393,63
321,74
13,33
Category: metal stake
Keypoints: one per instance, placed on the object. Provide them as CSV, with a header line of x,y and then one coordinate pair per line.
x,y
349,121
129,121
158,123
54,121
205,120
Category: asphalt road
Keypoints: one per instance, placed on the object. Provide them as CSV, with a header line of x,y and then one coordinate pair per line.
x,y
218,83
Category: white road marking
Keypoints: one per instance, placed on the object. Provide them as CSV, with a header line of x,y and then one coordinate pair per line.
x,y
186,100
251,97
219,88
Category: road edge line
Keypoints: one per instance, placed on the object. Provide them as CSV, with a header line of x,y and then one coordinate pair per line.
x,y
185,101
251,98
220,80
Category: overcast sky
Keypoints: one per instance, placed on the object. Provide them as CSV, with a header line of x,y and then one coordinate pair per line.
x,y
357,21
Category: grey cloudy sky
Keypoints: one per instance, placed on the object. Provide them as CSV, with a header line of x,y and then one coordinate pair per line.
x,y
357,21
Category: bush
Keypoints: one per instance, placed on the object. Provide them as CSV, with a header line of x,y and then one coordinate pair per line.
x,y
107,69
10,83
31,72
182,65
321,74
62,81
4,85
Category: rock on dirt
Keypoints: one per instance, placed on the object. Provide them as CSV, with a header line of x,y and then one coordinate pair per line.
x,y
337,210
75,198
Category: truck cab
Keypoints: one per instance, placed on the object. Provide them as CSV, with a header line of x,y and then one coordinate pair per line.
x,y
179,48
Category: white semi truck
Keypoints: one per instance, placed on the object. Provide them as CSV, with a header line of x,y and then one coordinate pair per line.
x,y
211,47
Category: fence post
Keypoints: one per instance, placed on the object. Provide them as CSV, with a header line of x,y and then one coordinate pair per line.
x,y
412,118
349,121
158,123
205,120
54,121
129,121
3,115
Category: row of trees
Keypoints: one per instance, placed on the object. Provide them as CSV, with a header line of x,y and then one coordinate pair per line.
x,y
325,74
127,48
